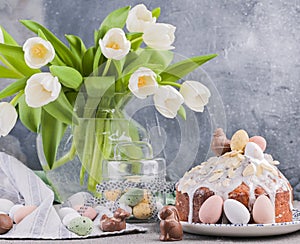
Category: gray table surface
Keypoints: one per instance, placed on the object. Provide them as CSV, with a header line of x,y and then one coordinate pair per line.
x,y
152,236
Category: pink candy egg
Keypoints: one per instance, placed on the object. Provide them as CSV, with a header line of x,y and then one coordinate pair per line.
x,y
263,210
22,212
85,211
260,141
211,210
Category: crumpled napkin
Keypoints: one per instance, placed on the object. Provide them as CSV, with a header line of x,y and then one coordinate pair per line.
x,y
20,185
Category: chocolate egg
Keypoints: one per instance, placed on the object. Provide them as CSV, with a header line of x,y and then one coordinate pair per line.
x,y
5,205
236,212
211,210
252,150
22,212
263,210
260,141
86,211
239,140
6,223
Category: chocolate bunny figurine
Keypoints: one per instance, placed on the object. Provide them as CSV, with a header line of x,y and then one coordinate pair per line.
x,y
116,223
170,227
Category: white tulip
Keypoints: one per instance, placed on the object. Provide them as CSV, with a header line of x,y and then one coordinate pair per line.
x,y
114,45
8,118
159,36
41,89
139,16
167,101
1,36
142,83
38,52
195,95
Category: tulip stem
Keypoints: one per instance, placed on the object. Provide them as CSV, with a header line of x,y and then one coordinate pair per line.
x,y
8,65
170,83
136,40
16,98
106,67
67,157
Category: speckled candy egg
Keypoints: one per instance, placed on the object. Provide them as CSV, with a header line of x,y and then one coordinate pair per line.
x,y
260,141
211,210
62,212
69,217
6,223
239,140
112,195
22,212
81,226
132,197
236,212
263,210
86,211
142,211
5,205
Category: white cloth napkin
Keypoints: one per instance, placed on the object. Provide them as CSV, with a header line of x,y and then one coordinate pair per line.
x,y
20,185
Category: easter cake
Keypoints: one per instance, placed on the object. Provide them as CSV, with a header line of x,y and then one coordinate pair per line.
x,y
240,185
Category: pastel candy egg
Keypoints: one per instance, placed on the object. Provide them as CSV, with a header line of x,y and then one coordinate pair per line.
x,y
81,226
86,211
132,197
236,212
239,140
23,212
252,150
142,211
263,210
260,141
6,223
112,195
211,210
5,205
69,217
64,211
14,209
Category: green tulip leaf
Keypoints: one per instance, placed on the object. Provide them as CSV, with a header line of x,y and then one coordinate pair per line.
x,y
13,88
7,73
115,19
68,76
88,61
62,110
8,39
182,68
156,12
30,117
61,49
52,131
181,112
136,39
15,57
97,60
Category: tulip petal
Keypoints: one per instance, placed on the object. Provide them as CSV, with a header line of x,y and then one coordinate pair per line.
x,y
8,118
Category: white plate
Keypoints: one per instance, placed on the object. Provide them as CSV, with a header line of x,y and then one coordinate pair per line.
x,y
244,229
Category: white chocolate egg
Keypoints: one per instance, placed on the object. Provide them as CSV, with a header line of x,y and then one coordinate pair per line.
x,y
252,150
69,217
263,210
5,205
64,211
211,210
236,212
14,209
260,141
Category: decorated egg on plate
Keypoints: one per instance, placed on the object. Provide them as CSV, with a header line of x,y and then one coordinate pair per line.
x,y
23,212
69,217
81,226
65,210
236,212
14,209
5,205
86,211
263,210
6,223
211,210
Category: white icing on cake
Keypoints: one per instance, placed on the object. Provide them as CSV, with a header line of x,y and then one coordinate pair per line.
x,y
225,173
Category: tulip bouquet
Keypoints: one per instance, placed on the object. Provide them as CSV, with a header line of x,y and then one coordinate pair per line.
x,y
49,75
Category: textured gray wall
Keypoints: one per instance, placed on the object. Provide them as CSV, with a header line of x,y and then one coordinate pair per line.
x,y
256,73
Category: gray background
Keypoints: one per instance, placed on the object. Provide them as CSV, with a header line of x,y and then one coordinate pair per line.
x,y
254,80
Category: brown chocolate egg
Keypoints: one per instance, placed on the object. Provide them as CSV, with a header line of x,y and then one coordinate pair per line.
x,y
6,223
